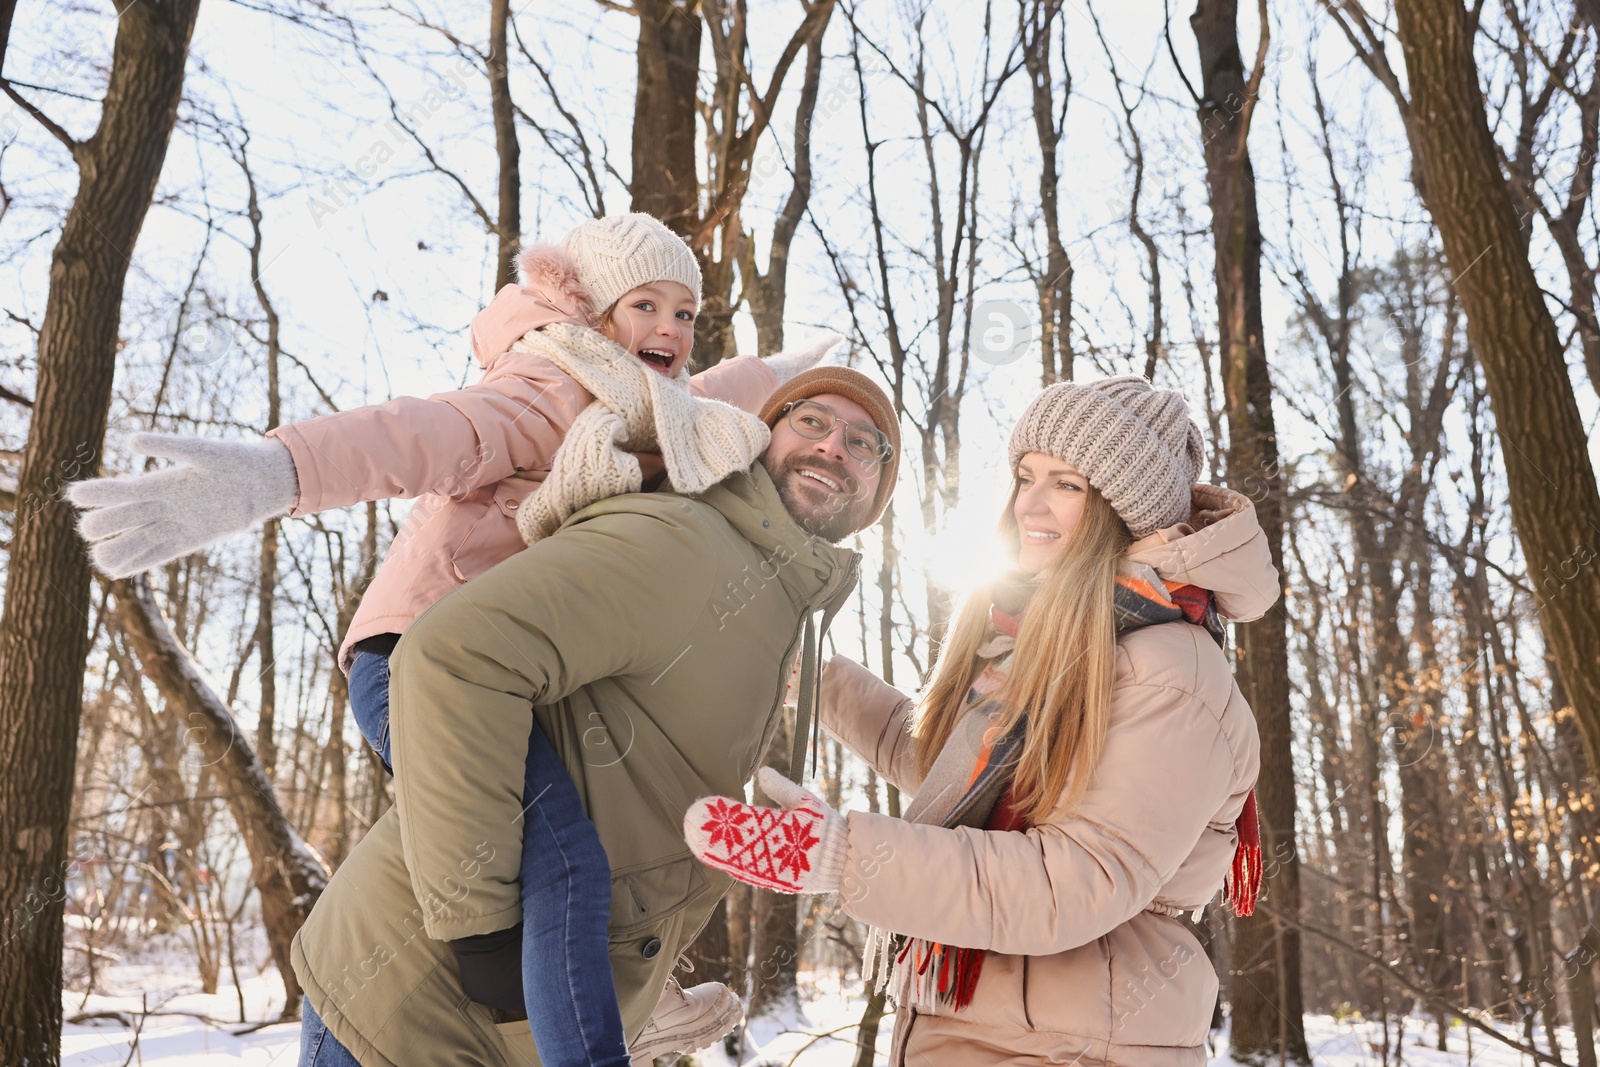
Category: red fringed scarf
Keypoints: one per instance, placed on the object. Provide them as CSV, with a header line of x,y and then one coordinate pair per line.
x,y
1139,602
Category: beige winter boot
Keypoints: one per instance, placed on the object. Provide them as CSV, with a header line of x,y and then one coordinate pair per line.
x,y
687,1020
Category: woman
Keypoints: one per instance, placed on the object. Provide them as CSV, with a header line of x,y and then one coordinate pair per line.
x,y
1081,764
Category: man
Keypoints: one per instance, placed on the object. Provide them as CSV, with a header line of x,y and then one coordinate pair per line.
x,y
651,639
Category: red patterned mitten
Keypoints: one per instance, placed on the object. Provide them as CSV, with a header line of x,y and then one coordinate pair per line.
x,y
799,848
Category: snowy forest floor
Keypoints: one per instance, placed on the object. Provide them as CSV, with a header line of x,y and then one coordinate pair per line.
x,y
153,1013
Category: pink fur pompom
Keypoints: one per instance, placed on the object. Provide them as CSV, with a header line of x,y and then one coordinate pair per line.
x,y
548,268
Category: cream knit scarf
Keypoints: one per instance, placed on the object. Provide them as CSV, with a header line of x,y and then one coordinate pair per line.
x,y
702,441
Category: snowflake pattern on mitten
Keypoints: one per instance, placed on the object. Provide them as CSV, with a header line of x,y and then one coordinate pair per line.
x,y
769,847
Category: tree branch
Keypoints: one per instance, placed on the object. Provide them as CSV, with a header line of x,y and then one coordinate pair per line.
x,y
1252,88
1407,984
55,129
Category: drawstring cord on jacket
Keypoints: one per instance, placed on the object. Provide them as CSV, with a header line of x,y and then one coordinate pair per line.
x,y
808,705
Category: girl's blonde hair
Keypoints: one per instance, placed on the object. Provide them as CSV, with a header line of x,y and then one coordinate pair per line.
x,y
1061,670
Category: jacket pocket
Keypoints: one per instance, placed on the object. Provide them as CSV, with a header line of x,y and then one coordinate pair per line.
x,y
645,895
490,518
520,1048
1163,987
640,964
1069,992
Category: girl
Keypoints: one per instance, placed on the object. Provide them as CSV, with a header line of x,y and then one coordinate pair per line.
x,y
609,313
1082,762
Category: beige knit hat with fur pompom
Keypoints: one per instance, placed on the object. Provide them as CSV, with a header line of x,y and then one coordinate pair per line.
x,y
621,252
1135,443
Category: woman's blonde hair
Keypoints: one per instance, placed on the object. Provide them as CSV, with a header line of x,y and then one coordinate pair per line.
x,y
1061,671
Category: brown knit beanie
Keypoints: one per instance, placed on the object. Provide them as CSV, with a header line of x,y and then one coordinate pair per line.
x,y
853,385
1135,443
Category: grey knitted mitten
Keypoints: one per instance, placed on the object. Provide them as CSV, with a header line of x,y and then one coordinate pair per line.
x,y
790,362
140,521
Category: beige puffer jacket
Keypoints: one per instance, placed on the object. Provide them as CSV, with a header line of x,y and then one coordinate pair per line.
x,y
1087,963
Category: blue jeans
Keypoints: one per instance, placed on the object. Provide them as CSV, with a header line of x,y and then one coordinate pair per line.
x,y
566,895
318,1048
369,701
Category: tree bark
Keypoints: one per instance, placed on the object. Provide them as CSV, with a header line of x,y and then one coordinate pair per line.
x,y
8,10
44,638
1551,483
775,955
736,114
769,292
339,844
289,875
508,224
667,77
735,915
1055,286
265,639
1265,954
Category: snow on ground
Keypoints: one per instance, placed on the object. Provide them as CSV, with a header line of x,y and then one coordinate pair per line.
x,y
821,1033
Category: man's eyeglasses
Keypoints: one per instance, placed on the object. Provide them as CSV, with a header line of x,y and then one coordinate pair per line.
x,y
814,421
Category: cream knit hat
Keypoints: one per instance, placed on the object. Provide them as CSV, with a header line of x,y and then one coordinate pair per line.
x,y
621,252
1135,443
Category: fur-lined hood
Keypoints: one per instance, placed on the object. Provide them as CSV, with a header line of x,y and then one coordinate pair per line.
x,y
549,292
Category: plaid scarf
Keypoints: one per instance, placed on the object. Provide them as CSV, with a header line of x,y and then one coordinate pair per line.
x,y
927,973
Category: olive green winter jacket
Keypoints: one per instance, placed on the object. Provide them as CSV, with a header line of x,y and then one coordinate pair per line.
x,y
650,638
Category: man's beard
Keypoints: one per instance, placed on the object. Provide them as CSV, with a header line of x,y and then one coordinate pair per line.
x,y
835,516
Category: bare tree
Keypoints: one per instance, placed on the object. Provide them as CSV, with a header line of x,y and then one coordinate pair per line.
x,y
288,874
43,636
1133,147
942,362
666,96
1553,494
508,217
1265,979
768,291
1037,33
737,113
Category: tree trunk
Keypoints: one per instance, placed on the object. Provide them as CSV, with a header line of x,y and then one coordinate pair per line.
x,y
735,115
289,875
736,919
668,70
1580,996
508,225
8,9
339,844
267,650
1554,501
775,956
769,291
867,1032
1431,828
1265,977
44,638
1409,700
265,639
1055,286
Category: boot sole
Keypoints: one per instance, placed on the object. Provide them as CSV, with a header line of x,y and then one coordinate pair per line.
x,y
690,1041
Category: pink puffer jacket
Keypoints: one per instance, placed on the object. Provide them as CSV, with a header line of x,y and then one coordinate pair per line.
x,y
473,455
1087,963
